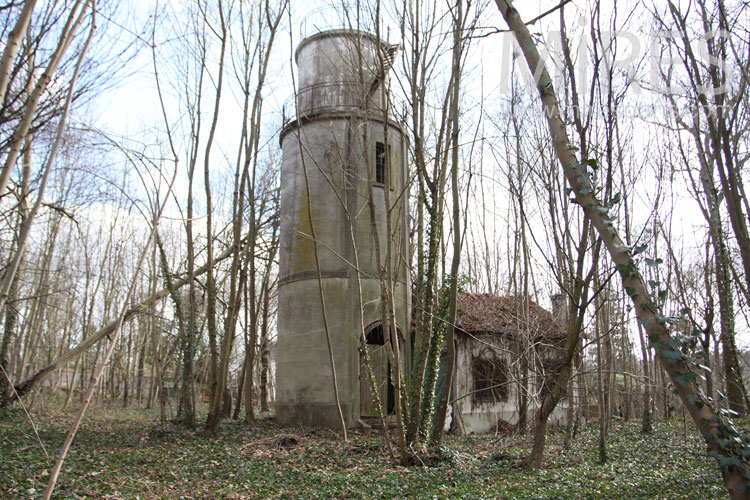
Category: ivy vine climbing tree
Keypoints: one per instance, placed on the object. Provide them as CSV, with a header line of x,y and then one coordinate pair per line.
x,y
725,443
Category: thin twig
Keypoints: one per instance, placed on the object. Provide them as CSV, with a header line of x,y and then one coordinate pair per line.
x,y
528,23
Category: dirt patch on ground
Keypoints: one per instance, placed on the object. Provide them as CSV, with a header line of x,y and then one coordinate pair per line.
x,y
283,444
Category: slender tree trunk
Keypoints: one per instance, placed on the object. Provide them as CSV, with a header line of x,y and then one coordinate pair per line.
x,y
187,403
449,359
602,404
11,313
126,372
321,297
627,371
140,366
187,396
12,44
582,395
732,373
218,367
264,350
250,341
240,390
569,413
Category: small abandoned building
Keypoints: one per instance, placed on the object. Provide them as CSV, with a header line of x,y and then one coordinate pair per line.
x,y
491,333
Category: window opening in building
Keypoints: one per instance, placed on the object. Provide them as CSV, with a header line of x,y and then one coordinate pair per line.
x,y
490,376
381,162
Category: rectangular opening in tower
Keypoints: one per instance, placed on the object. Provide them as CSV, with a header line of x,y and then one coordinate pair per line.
x,y
381,162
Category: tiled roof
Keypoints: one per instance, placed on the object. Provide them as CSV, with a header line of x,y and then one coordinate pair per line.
x,y
494,314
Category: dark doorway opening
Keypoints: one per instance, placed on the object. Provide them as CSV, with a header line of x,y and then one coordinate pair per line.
x,y
381,368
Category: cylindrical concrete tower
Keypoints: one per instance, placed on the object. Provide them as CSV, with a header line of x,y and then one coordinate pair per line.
x,y
339,147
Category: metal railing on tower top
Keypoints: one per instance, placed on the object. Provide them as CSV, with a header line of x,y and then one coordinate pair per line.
x,y
338,97
331,18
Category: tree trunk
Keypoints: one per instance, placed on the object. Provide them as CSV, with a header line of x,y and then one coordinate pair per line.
x,y
569,414
732,373
12,44
264,351
627,381
601,396
442,396
11,312
218,367
240,391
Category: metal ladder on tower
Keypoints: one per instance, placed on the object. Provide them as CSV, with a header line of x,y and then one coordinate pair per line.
x,y
388,58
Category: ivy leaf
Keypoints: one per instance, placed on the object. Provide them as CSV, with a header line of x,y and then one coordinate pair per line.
x,y
729,462
640,249
624,270
596,208
673,357
673,343
683,379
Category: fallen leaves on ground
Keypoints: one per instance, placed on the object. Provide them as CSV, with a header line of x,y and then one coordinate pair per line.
x,y
127,454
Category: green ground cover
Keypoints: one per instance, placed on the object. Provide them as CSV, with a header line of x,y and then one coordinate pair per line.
x,y
127,454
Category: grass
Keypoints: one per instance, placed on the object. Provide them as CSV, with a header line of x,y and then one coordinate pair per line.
x,y
127,454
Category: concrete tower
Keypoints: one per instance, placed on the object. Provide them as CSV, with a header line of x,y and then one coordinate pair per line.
x,y
343,140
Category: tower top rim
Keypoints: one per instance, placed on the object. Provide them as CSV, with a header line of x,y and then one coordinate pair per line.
x,y
337,32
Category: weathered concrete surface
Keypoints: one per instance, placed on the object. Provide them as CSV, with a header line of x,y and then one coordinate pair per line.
x,y
336,69
328,161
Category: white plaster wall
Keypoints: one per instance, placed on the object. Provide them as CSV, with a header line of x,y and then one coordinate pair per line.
x,y
483,417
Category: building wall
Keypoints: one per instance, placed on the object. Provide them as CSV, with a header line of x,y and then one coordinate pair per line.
x,y
483,416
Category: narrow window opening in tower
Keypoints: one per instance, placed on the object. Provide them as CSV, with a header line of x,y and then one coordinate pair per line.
x,y
381,162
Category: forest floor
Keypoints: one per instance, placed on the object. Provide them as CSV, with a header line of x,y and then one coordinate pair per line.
x,y
129,454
